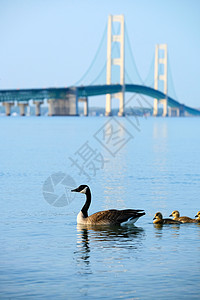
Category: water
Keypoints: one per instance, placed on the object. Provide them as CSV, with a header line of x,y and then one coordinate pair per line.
x,y
45,255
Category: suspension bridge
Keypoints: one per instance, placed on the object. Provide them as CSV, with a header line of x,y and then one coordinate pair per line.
x,y
113,78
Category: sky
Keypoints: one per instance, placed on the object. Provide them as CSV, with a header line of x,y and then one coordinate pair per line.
x,y
51,43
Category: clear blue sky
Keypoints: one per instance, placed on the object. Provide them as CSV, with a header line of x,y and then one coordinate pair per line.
x,y
48,43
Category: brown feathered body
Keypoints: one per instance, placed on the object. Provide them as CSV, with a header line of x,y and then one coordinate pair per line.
x,y
111,217
158,219
176,216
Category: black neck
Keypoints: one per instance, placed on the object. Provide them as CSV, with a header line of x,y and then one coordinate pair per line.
x,y
87,203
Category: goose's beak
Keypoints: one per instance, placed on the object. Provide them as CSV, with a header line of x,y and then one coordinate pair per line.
x,y
196,216
170,215
75,190
154,218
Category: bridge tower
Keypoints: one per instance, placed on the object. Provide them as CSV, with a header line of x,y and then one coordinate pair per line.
x,y
111,38
160,74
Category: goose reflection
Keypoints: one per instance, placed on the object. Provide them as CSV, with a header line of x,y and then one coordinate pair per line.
x,y
83,247
109,236
159,230
92,238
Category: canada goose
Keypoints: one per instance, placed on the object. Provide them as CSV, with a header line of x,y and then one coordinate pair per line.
x,y
183,219
106,217
198,217
158,219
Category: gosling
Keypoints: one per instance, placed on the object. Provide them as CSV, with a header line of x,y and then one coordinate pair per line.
x,y
158,219
198,217
176,215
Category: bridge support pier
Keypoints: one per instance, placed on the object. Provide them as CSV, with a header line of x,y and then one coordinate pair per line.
x,y
165,110
63,107
155,107
108,111
22,106
8,107
51,111
85,100
37,107
86,108
121,104
66,105
108,105
174,112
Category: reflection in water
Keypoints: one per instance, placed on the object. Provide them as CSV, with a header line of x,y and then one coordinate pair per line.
x,y
160,163
160,130
198,224
159,229
83,249
119,234
113,186
93,237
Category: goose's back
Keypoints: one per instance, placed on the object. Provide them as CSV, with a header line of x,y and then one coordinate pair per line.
x,y
114,216
166,221
170,221
186,220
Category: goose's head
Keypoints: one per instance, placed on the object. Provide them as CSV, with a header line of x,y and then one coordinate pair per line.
x,y
158,216
175,214
198,216
81,189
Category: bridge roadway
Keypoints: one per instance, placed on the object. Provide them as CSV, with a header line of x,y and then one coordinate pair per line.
x,y
38,94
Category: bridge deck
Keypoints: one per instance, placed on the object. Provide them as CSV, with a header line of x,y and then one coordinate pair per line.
x,y
25,95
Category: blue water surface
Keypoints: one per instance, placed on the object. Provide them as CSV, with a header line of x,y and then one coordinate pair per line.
x,y
152,164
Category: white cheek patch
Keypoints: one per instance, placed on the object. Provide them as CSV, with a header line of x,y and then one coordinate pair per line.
x,y
84,190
